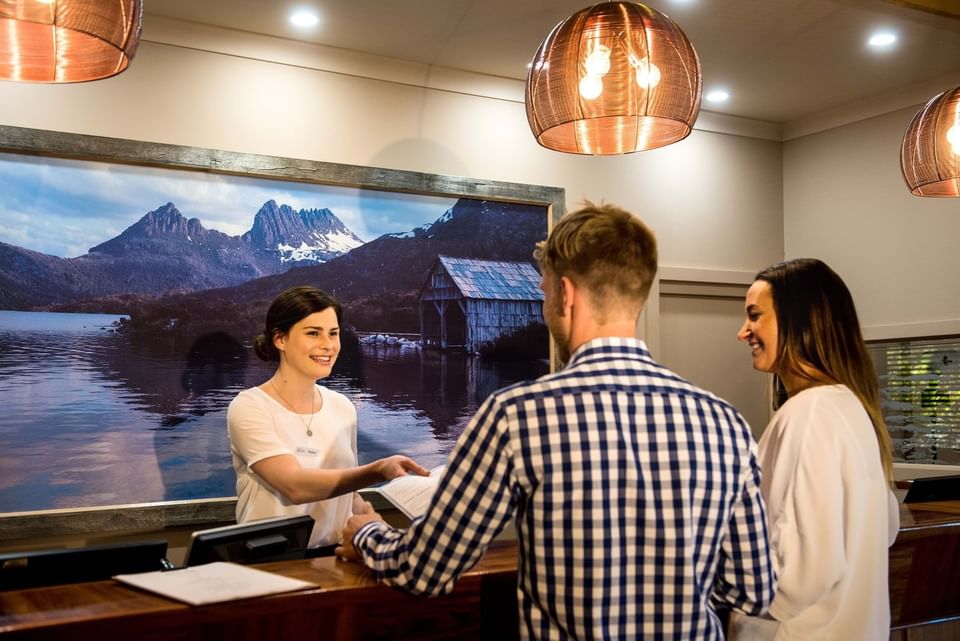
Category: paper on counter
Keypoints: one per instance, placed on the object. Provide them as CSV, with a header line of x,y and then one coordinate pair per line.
x,y
213,583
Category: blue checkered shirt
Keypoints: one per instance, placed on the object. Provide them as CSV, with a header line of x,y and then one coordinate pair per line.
x,y
635,497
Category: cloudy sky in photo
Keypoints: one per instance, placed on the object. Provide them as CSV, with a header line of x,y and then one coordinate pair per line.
x,y
65,207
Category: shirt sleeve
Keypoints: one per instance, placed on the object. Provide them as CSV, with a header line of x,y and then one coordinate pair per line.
x,y
893,518
252,431
469,508
807,529
745,574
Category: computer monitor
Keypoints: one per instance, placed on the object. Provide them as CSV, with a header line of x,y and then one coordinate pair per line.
x,y
36,568
275,539
934,488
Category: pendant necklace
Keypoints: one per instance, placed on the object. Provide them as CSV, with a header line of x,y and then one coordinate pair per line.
x,y
313,398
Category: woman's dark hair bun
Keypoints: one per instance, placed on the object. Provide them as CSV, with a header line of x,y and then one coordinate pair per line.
x,y
264,349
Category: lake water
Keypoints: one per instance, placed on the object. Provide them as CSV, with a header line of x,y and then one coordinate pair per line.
x,y
91,417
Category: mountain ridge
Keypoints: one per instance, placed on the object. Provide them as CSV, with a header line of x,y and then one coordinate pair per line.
x,y
378,283
164,252
305,235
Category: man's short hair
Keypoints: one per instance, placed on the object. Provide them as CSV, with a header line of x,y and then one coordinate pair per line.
x,y
604,248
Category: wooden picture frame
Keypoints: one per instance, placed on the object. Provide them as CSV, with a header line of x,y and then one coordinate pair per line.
x,y
39,143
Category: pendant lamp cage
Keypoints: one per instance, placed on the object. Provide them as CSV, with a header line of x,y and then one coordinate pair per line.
x,y
67,40
614,78
930,151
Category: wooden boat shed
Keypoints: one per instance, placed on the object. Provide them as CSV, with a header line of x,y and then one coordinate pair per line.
x,y
466,303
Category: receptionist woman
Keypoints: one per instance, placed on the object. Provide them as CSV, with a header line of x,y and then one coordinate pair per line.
x,y
294,442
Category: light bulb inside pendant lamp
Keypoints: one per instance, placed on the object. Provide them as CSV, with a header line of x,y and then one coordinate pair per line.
x,y
648,75
930,151
614,78
67,40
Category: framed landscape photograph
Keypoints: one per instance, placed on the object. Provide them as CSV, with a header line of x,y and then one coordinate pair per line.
x,y
134,277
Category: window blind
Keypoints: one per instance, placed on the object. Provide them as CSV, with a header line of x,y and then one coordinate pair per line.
x,y
920,397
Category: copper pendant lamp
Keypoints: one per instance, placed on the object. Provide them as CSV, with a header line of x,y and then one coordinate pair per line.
x,y
930,151
67,40
614,78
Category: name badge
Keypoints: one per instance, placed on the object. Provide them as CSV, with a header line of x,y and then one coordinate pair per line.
x,y
307,451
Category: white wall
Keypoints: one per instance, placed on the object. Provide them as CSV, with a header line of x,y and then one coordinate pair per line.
x,y
714,199
697,339
846,203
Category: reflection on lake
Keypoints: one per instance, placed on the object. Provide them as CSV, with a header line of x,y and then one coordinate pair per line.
x,y
93,418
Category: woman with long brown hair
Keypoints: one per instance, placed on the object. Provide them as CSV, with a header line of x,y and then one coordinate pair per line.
x,y
825,459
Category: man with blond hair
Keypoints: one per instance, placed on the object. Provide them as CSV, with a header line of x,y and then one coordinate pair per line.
x,y
635,495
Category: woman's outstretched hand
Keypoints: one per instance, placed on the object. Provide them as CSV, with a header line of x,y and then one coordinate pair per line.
x,y
395,466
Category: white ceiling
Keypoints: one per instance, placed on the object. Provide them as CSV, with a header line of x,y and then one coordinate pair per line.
x,y
781,60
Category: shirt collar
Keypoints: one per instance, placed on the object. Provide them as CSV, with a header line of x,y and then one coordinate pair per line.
x,y
609,346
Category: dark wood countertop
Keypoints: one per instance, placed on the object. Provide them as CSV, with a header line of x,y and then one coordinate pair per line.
x,y
925,564
348,605
926,519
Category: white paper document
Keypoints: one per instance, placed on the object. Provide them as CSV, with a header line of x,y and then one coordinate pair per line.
x,y
213,582
411,494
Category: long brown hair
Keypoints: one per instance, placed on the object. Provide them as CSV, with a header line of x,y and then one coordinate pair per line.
x,y
818,328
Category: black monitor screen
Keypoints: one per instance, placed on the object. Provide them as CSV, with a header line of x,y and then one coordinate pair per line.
x,y
35,568
934,488
255,542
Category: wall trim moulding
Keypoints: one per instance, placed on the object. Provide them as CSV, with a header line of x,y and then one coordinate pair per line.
x,y
687,281
923,329
912,96
703,275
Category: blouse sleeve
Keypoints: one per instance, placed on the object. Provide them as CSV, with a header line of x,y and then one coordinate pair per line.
x,y
893,518
806,510
253,433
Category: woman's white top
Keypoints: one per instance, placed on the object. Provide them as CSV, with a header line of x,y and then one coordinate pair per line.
x,y
260,427
832,519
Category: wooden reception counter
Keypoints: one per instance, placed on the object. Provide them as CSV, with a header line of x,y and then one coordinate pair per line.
x,y
925,572
348,605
